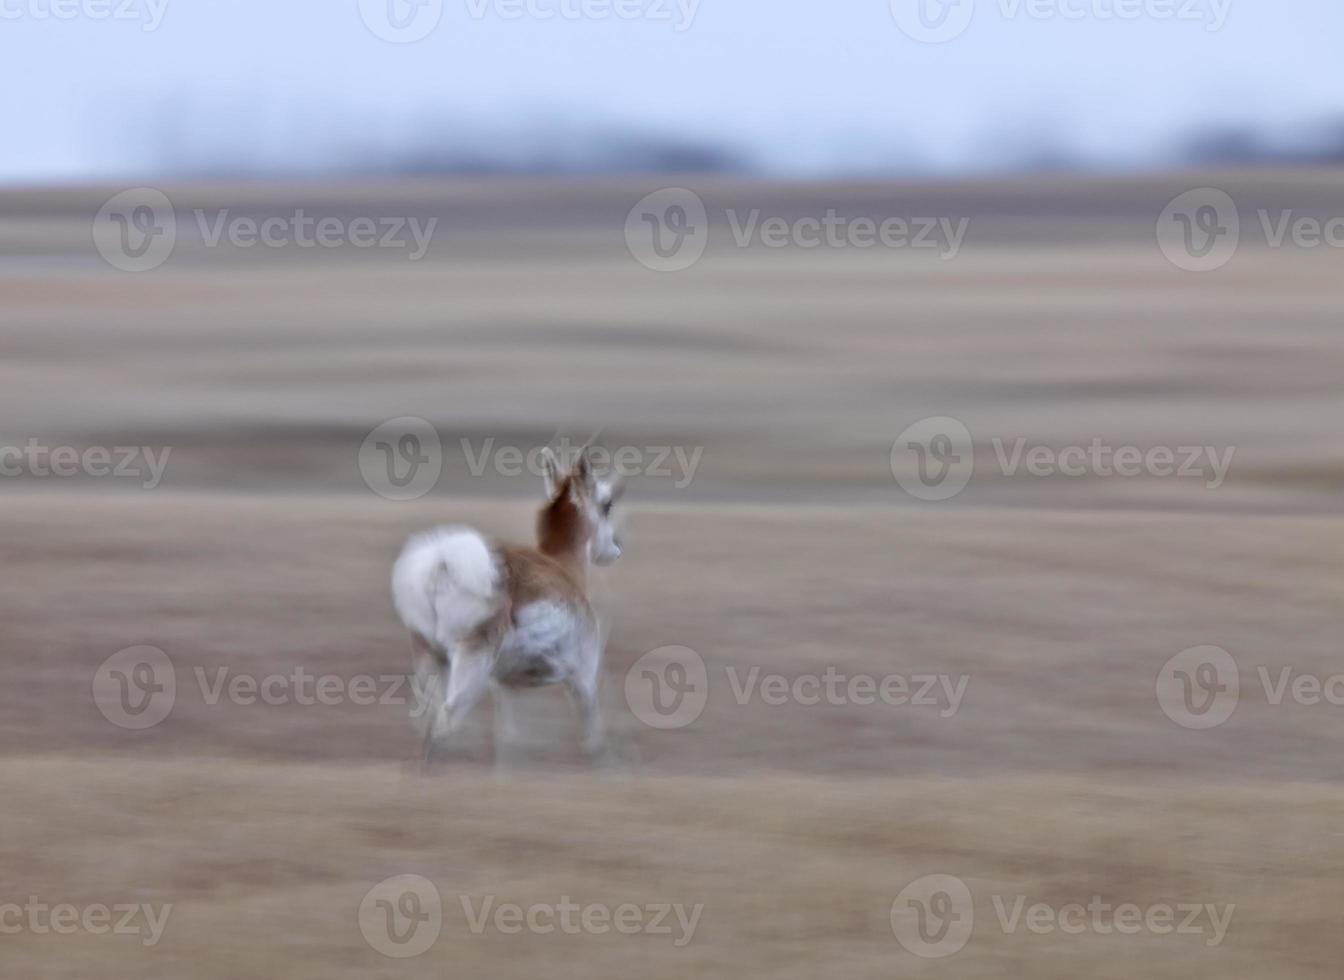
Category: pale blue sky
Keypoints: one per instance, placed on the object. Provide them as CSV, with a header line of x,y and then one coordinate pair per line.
x,y
803,85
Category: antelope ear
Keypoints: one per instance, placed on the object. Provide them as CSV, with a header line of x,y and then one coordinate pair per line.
x,y
584,475
550,472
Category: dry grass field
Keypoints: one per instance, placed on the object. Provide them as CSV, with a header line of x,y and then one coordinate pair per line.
x,y
1053,779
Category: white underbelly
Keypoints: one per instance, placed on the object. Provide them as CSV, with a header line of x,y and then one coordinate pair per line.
x,y
543,647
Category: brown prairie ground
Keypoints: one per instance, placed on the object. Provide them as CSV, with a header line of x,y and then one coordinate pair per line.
x,y
792,551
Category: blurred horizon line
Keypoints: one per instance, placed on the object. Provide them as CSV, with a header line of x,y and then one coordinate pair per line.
x,y
455,147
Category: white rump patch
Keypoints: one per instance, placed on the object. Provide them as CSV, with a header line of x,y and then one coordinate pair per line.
x,y
446,583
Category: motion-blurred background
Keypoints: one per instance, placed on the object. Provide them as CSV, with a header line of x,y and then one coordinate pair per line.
x,y
985,342
228,88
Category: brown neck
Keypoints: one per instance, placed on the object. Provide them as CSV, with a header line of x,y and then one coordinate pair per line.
x,y
561,533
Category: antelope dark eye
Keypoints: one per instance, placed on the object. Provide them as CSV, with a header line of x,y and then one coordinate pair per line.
x,y
606,507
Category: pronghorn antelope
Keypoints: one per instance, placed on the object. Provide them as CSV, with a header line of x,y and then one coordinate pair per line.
x,y
489,616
